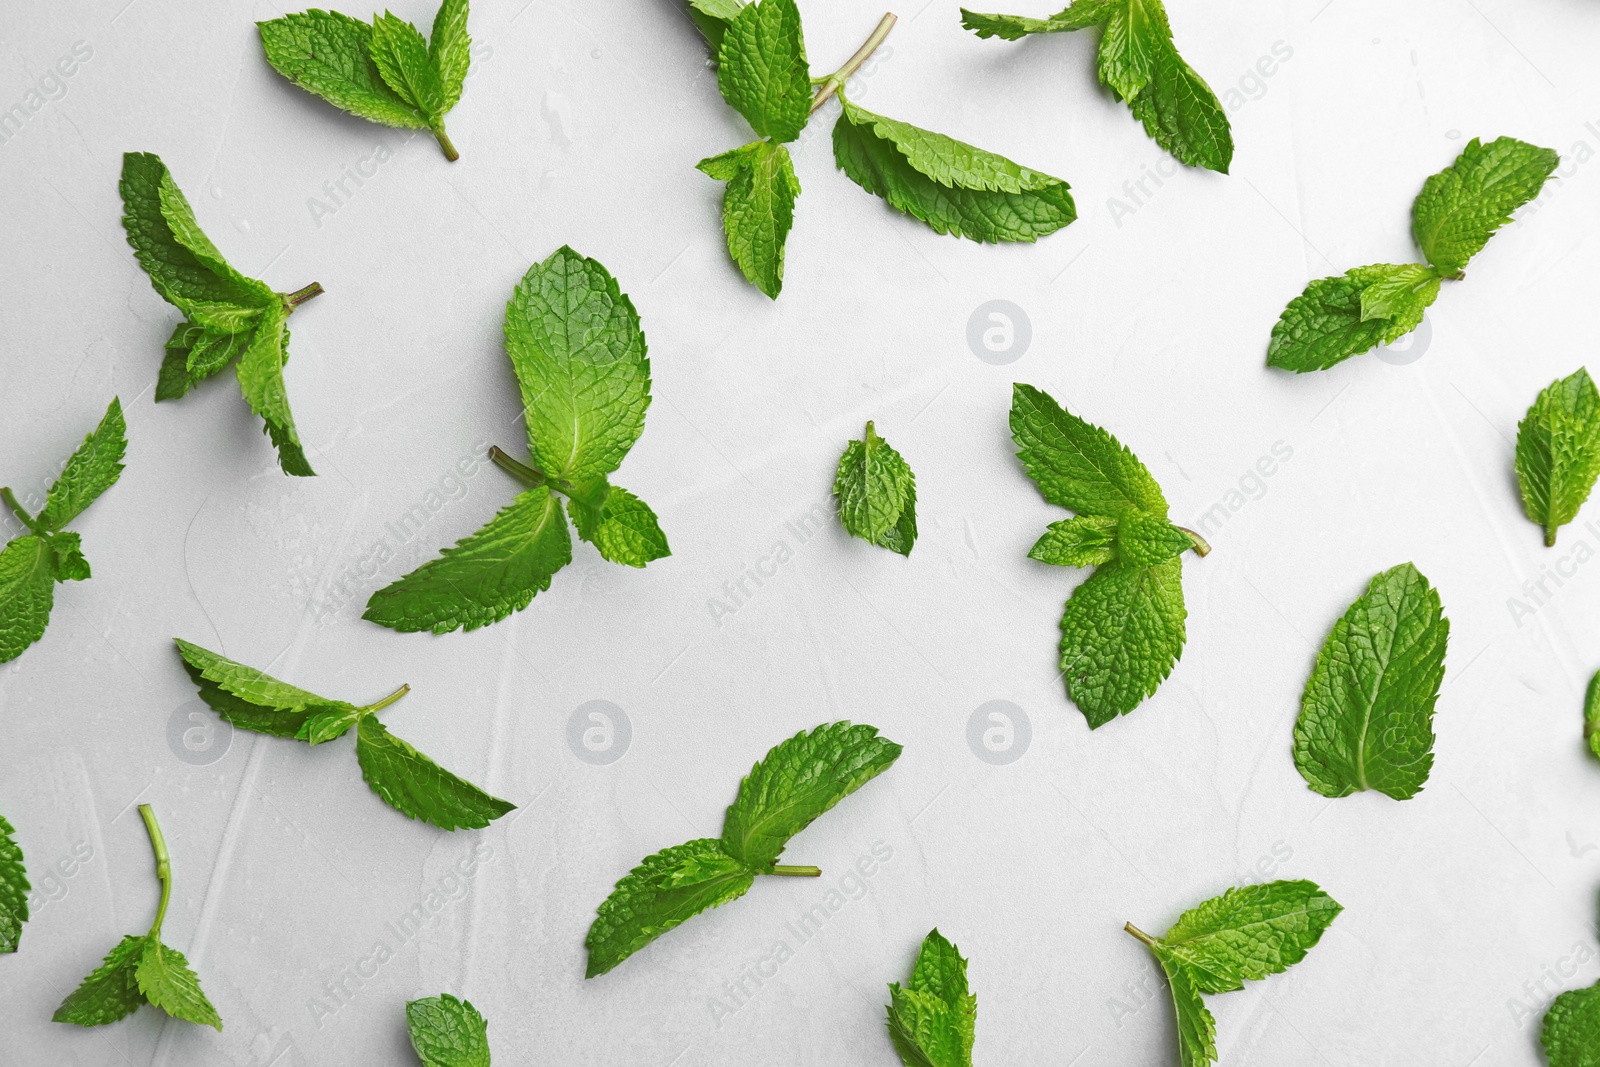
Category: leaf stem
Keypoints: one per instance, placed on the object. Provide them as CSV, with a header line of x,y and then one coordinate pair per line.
x,y
1140,934
835,81
1201,547
300,296
163,867
532,475
443,138
795,872
28,521
1549,535
386,701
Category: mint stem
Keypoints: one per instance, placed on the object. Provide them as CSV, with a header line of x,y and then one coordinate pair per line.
x,y
1549,536
503,460
163,867
1201,547
300,296
27,520
390,699
1140,934
835,81
795,872
443,138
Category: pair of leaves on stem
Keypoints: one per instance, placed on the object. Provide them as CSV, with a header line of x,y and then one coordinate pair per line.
x,y
1245,935
951,186
31,565
580,358
14,888
385,72
876,494
408,781
1453,217
798,780
933,1017
1366,718
1123,629
1140,64
1558,452
140,969
228,316
446,1032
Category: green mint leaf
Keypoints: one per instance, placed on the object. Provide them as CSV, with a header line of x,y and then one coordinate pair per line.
x,y
1591,716
665,889
1080,15
877,494
1121,634
1558,452
1571,1033
400,53
450,51
951,186
798,780
580,357
67,550
110,992
1078,465
1137,35
627,532
712,18
252,699
1145,541
1197,1029
93,468
13,888
1182,114
1086,541
1248,933
1462,206
446,1032
330,55
414,785
757,208
762,69
1336,318
260,372
27,593
486,576
1366,720
329,723
933,1017
165,980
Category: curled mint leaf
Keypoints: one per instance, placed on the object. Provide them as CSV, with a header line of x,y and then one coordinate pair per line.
x,y
933,1017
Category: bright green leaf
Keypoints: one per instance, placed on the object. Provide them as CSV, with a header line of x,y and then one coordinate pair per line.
x,y
450,50
414,785
1078,465
1558,452
330,54
1249,932
446,1032
13,888
1343,316
762,69
1462,206
111,991
1086,541
876,494
627,532
27,593
93,468
1079,15
1571,1032
167,983
933,1017
757,208
1121,634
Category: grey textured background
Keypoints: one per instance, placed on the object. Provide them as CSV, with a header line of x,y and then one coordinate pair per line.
x,y
1467,908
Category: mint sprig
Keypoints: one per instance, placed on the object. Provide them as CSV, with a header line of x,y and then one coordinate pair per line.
x,y
140,969
763,73
796,782
446,1032
1453,217
1123,629
14,888
228,317
407,780
386,72
1140,64
580,359
933,1017
876,494
31,565
1558,452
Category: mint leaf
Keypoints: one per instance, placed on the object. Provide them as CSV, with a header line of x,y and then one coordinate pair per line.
x,y
1121,634
13,888
627,531
1247,934
414,785
1344,316
794,783
1571,1033
248,698
1082,542
167,983
757,208
1137,35
1079,15
952,186
110,992
30,565
932,1018
1366,720
1145,541
1558,452
877,494
712,18
142,970
446,1032
762,69
227,314
1591,716
1182,114
798,780
385,72
667,888
1078,465
1462,206
485,577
